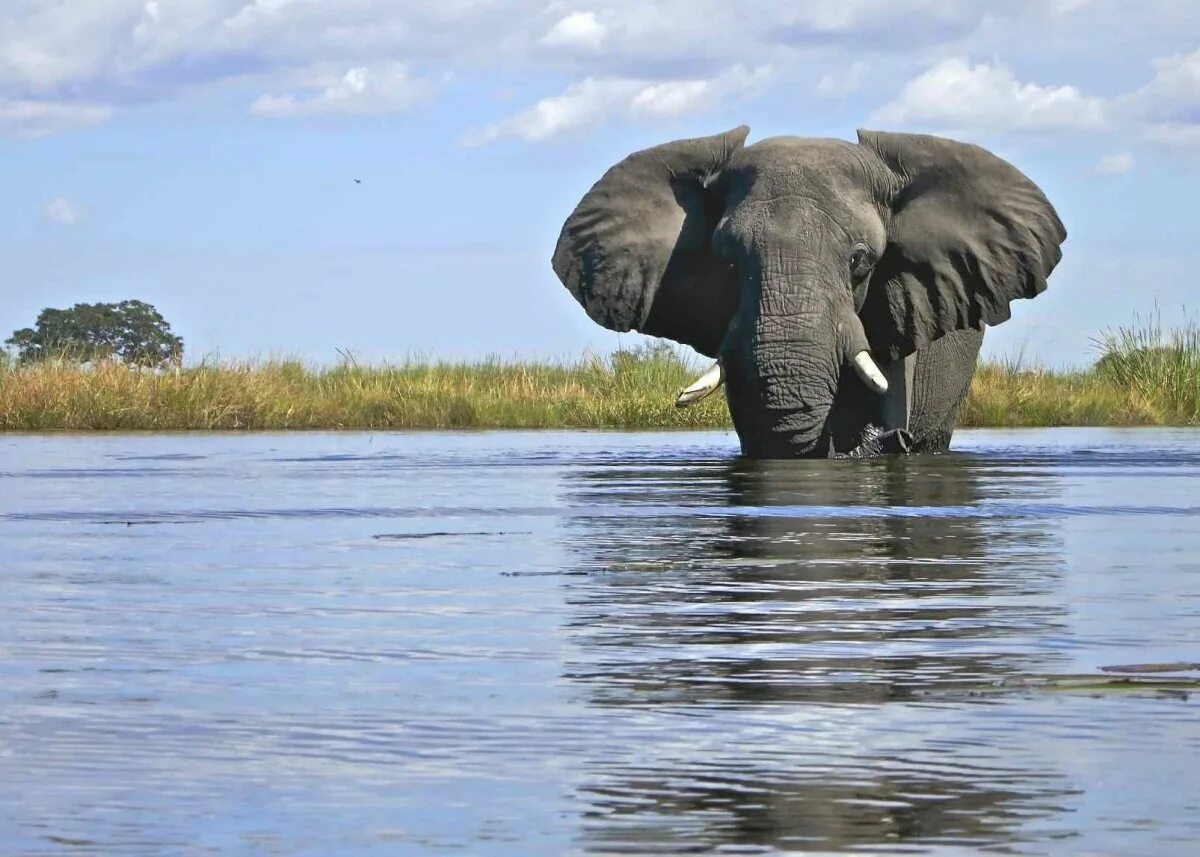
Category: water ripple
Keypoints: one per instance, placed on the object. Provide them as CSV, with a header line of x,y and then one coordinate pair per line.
x,y
597,643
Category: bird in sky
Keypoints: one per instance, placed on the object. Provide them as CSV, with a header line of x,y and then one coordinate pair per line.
x,y
358,181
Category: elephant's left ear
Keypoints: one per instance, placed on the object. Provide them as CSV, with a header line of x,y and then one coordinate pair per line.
x,y
968,234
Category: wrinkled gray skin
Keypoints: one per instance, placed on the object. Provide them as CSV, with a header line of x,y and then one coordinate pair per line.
x,y
786,258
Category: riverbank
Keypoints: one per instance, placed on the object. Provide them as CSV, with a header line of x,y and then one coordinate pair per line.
x,y
1138,381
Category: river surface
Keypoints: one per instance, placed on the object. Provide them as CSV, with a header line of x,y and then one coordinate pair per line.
x,y
591,642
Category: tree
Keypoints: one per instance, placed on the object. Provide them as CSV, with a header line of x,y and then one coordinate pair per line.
x,y
132,331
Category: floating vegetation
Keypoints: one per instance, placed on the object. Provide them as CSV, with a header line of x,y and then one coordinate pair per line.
x,y
1142,684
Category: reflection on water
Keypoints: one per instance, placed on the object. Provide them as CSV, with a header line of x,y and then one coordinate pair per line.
x,y
553,643
810,639
864,607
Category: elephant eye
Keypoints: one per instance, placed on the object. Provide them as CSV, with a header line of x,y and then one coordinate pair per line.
x,y
862,260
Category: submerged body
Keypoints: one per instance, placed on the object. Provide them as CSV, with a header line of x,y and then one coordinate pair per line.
x,y
843,288
920,408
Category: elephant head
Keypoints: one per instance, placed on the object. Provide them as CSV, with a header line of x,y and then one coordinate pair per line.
x,y
804,264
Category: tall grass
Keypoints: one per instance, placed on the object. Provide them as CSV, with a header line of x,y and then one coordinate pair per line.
x,y
1162,367
1145,376
626,390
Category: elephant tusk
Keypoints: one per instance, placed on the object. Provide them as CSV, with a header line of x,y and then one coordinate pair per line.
x,y
707,383
869,372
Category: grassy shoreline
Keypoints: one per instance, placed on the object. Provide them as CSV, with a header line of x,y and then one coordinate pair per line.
x,y
1143,378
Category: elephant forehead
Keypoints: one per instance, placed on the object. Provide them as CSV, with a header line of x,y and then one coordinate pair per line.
x,y
797,187
816,166
797,177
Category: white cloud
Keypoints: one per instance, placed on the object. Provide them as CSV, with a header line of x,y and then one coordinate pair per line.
x,y
363,90
318,57
30,118
672,97
1069,7
845,81
1114,165
679,97
63,211
1166,111
852,17
577,30
43,48
1174,135
594,101
956,95
161,46
1173,93
258,12
585,103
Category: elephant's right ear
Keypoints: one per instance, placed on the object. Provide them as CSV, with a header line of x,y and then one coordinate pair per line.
x,y
636,252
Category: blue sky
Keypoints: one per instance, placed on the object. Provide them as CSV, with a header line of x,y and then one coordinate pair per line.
x,y
200,154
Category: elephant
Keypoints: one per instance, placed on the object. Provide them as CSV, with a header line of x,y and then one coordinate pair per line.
x,y
842,288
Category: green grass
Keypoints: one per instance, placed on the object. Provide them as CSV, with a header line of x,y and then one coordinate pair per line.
x,y
1144,377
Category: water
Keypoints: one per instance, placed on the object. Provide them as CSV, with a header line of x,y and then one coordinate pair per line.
x,y
547,643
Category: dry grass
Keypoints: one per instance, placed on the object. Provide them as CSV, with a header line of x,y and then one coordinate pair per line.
x,y
629,390
1145,377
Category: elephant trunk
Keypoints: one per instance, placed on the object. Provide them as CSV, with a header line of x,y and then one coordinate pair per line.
x,y
783,360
